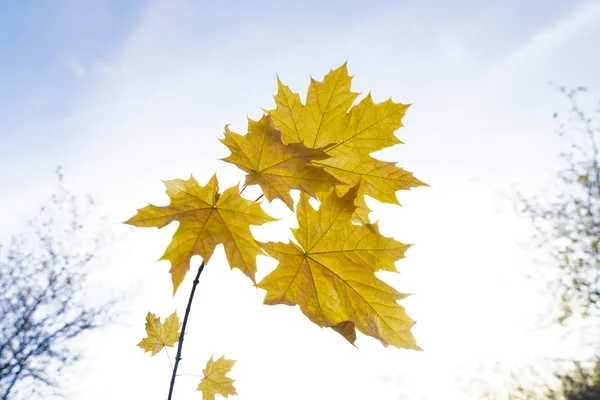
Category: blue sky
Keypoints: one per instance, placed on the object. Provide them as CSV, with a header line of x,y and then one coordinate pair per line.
x,y
125,94
39,40
49,46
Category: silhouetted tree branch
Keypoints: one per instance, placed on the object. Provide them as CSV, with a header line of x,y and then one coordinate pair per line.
x,y
568,221
568,229
43,305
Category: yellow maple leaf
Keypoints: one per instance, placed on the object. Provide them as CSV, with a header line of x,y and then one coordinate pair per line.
x,y
362,211
319,122
206,218
275,166
159,334
325,119
378,179
215,380
330,273
352,134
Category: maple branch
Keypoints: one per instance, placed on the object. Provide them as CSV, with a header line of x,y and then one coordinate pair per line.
x,y
185,319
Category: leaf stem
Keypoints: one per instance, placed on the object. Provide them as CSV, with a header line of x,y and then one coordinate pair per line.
x,y
169,358
185,319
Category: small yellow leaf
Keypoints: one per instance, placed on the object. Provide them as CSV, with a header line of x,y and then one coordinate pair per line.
x,y
215,380
159,334
206,218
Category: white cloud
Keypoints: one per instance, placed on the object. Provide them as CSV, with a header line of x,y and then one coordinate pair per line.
x,y
544,44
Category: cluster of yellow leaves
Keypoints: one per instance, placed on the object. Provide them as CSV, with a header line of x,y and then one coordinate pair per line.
x,y
323,149
351,134
314,147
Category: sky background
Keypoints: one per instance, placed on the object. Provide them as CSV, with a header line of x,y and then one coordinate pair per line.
x,y
126,94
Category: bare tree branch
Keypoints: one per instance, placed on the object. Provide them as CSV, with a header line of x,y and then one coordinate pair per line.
x,y
43,273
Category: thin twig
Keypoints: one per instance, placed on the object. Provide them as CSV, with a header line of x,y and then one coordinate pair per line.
x,y
185,319
169,358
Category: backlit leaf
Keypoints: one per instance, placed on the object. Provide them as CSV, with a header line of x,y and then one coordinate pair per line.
x,y
215,380
206,218
351,133
330,273
159,334
275,166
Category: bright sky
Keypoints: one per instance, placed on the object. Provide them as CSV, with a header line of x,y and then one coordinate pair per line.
x,y
126,94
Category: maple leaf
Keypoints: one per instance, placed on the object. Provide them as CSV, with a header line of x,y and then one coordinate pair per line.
x,y
159,334
378,179
206,218
275,166
352,134
330,273
361,213
215,380
325,118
